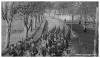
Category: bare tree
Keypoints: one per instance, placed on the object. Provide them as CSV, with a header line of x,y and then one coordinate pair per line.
x,y
31,8
8,11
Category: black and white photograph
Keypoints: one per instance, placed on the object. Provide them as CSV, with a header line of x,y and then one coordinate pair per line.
x,y
49,28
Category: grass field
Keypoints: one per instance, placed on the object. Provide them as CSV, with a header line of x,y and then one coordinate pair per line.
x,y
85,43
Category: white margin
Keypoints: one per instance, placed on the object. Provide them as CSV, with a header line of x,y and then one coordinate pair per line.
x,y
42,0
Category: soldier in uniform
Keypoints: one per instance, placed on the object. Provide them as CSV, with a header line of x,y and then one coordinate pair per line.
x,y
12,51
33,50
20,48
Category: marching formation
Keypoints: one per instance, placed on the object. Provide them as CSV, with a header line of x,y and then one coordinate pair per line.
x,y
51,43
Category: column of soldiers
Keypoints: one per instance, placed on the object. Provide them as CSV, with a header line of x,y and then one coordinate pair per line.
x,y
52,43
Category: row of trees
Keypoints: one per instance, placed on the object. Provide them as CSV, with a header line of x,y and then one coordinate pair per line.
x,y
9,9
80,8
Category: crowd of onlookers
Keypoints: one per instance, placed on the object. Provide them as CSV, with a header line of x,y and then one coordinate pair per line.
x,y
50,44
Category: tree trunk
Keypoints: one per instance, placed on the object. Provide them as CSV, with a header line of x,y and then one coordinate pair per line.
x,y
31,24
26,33
6,50
80,19
72,17
9,35
41,19
85,29
35,21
